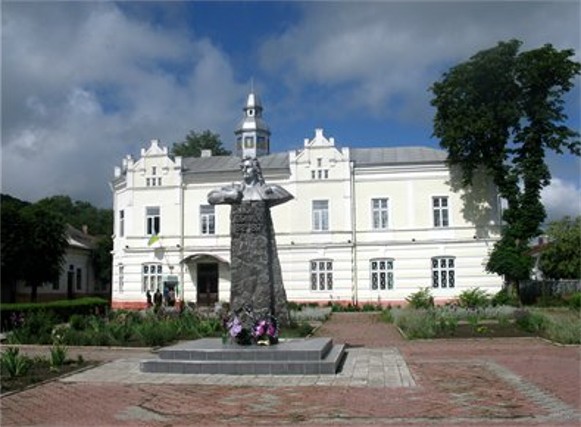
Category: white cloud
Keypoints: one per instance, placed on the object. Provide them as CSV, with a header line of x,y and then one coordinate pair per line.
x,y
84,85
561,199
383,56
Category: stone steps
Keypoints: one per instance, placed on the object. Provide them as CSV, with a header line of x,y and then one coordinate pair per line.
x,y
313,356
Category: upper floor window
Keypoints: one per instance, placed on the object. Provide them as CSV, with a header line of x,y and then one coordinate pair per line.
x,y
443,272
320,172
151,277
379,209
321,275
320,215
441,212
153,220
207,219
121,223
248,142
381,274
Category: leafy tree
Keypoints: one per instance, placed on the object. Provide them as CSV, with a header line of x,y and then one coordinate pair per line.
x,y
46,244
102,259
13,245
79,214
501,110
196,142
562,257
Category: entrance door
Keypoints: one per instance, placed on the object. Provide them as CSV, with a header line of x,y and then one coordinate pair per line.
x,y
207,284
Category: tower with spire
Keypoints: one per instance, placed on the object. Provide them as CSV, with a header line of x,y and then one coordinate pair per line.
x,y
252,133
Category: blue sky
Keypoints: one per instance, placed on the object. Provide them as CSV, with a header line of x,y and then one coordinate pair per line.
x,y
86,83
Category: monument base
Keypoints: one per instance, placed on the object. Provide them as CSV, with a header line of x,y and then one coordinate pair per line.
x,y
311,356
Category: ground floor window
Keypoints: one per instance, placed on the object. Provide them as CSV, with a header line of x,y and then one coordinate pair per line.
x,y
381,274
443,272
321,275
151,277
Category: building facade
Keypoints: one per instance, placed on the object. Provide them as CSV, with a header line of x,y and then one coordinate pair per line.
x,y
366,225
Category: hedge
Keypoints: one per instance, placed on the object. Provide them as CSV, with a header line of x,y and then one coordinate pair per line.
x,y
62,309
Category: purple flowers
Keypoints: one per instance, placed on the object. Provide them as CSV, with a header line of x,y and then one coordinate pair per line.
x,y
245,328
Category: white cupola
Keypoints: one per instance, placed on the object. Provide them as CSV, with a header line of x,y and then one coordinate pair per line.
x,y
252,133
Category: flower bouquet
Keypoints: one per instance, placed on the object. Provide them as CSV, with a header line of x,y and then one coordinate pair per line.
x,y
246,327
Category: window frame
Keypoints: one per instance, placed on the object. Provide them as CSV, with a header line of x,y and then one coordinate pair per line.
x,y
151,280
443,276
321,275
388,269
207,220
380,210
320,216
152,221
440,214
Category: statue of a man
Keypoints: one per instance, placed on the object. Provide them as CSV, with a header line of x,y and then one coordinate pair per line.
x,y
252,188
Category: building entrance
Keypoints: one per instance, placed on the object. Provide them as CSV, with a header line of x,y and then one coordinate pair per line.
x,y
207,283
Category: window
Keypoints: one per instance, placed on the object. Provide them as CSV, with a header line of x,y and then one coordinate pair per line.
x,y
79,279
121,223
440,208
151,277
320,215
381,274
443,275
321,275
319,172
248,142
379,208
70,278
207,219
152,220
121,271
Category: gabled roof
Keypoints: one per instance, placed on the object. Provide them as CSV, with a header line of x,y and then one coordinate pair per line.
x,y
79,239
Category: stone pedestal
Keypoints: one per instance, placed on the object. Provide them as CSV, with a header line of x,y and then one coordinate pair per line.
x,y
256,277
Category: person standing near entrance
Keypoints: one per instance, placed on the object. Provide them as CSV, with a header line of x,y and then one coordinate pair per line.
x,y
157,300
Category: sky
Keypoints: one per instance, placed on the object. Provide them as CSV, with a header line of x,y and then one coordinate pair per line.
x,y
85,84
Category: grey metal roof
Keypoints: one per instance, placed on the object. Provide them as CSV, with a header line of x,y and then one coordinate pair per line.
x,y
361,157
396,155
232,163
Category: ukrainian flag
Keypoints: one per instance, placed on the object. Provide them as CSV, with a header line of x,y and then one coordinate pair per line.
x,y
153,239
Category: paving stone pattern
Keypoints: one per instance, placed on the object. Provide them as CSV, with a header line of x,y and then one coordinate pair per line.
x,y
501,382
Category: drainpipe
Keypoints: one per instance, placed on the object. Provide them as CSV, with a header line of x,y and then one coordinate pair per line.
x,y
354,286
181,249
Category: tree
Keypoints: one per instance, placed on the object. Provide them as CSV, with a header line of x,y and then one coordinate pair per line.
x,y
13,246
562,257
502,110
196,142
46,244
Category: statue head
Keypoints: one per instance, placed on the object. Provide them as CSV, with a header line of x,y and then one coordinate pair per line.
x,y
251,171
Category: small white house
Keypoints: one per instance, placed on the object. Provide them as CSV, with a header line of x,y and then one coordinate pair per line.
x,y
77,278
365,225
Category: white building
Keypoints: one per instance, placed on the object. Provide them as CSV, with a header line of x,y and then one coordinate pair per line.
x,y
365,225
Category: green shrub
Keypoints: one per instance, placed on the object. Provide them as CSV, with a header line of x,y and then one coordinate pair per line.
x,y
386,316
574,301
533,322
13,364
504,297
418,323
421,299
474,298
36,328
445,322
